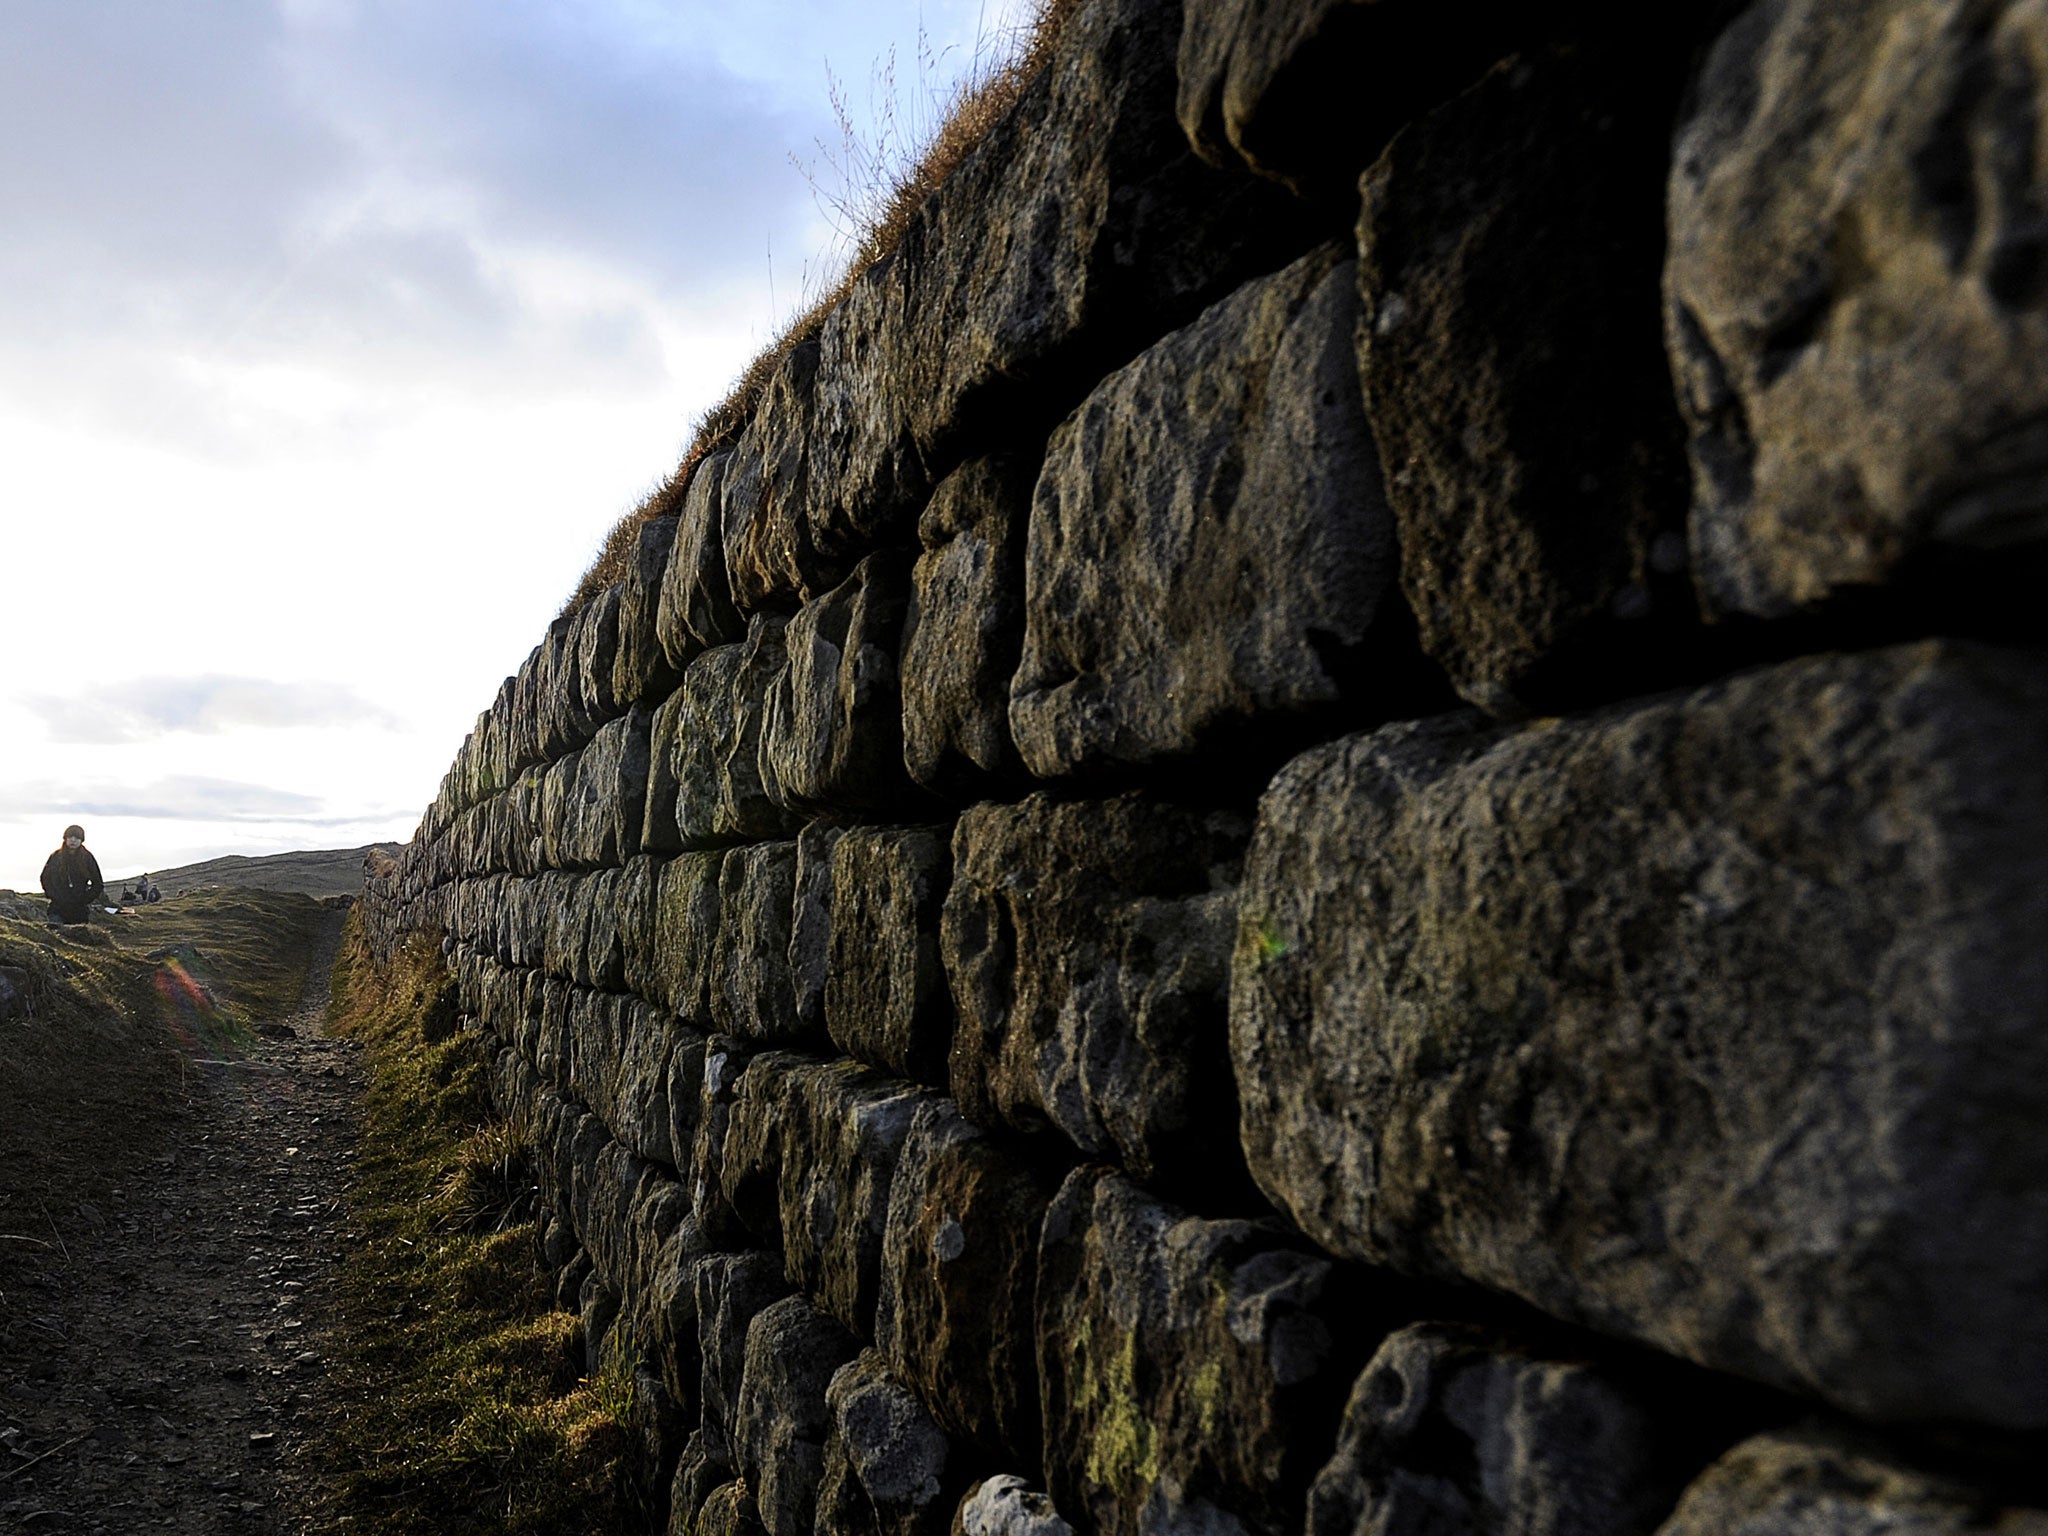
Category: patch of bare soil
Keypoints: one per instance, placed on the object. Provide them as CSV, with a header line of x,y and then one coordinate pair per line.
x,y
163,1345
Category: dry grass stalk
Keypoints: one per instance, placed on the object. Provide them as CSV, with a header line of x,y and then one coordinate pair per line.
x,y
872,204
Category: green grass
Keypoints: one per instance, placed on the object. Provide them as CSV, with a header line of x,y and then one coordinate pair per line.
x,y
467,1410
122,1006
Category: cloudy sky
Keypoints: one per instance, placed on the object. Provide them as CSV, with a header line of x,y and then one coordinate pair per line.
x,y
335,334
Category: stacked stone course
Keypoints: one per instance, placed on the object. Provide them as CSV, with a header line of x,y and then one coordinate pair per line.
x,y
1337,820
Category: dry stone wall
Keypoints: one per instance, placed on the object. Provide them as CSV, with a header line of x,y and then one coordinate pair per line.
x,y
1336,821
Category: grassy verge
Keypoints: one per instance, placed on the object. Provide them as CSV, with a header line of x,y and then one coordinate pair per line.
x,y
466,1409
116,1011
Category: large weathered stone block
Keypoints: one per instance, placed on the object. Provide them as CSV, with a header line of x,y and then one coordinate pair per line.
x,y
659,832
1535,453
619,1066
1450,1429
723,792
793,1350
641,671
686,933
732,1289
685,1097
889,1470
843,1129
596,640
959,1270
605,796
1007,1506
602,960
725,1065
1191,1371
695,611
1811,1479
767,501
1209,540
1858,296
1086,948
1712,1021
637,904
885,1000
833,739
749,1170
810,923
750,989
964,629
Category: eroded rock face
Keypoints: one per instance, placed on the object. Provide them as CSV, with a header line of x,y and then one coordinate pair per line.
x,y
1858,295
888,1468
1007,1506
833,737
810,922
767,502
750,991
1257,77
1190,1370
723,793
1448,1429
1086,948
641,670
695,611
686,928
810,1157
964,629
1703,1021
1537,461
658,830
959,1269
1209,541
885,1000
793,1351
1811,1479
732,1289
1079,229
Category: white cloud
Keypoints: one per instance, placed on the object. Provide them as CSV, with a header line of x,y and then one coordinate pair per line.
x,y
139,709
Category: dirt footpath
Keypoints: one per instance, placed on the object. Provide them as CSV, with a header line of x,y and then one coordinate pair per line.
x,y
162,1362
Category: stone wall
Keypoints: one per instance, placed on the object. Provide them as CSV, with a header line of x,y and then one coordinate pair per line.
x,y
1336,820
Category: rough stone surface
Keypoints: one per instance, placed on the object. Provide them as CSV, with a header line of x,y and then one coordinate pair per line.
x,y
833,738
725,1064
685,1096
728,1510
636,906
810,923
1812,1480
732,1289
1712,1021
696,611
750,990
722,795
1190,1370
596,639
888,1468
767,503
1086,949
1007,1506
659,832
842,1133
1450,1430
686,927
793,1350
641,670
959,1270
964,630
1257,76
809,1155
1858,295
1516,381
885,1000
1209,542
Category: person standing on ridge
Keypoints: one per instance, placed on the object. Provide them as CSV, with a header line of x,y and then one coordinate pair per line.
x,y
71,879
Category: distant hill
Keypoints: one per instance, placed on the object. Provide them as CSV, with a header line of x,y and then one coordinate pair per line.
x,y
325,872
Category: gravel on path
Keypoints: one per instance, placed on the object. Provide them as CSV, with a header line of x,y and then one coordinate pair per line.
x,y
163,1362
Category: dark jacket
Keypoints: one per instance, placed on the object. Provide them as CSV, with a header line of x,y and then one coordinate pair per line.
x,y
71,879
